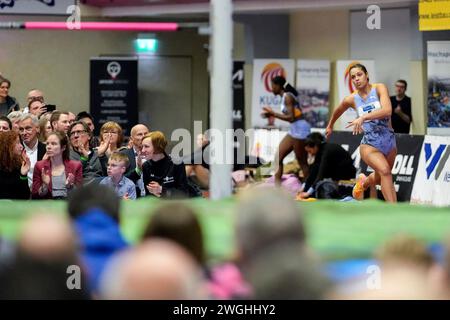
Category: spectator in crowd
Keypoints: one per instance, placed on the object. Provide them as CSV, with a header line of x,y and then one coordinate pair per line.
x,y
34,94
36,107
401,108
198,166
124,187
7,103
95,212
35,150
153,270
14,167
5,124
56,176
440,273
264,238
178,222
331,161
59,121
46,264
45,129
111,138
135,158
72,118
162,178
94,167
89,120
405,265
15,116
7,254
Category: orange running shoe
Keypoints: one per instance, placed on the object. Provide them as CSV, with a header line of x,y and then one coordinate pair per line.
x,y
358,189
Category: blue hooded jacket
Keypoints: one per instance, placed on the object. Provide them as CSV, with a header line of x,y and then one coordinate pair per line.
x,y
100,238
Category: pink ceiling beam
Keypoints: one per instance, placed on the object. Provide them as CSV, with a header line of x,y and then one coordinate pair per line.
x,y
103,26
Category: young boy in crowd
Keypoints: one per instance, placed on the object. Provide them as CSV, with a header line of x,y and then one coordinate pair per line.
x,y
117,166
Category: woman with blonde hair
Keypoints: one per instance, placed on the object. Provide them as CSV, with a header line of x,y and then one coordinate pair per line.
x,y
162,177
45,128
111,138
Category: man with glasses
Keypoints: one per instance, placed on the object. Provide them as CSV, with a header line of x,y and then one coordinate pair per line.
x,y
94,167
401,107
29,133
89,120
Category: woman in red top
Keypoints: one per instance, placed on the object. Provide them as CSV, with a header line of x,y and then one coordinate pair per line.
x,y
55,177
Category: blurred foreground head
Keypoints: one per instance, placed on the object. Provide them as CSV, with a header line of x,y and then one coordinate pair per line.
x,y
153,270
92,196
271,239
267,216
46,249
178,222
405,266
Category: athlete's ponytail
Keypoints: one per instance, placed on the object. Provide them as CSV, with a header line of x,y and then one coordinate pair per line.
x,y
281,81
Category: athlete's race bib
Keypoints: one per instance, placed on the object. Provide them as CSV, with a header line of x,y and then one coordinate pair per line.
x,y
368,108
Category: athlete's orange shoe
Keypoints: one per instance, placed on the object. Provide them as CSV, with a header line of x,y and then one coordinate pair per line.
x,y
358,189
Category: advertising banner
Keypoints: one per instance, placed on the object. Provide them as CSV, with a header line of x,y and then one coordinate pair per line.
x,y
405,165
114,92
432,183
313,86
438,88
264,70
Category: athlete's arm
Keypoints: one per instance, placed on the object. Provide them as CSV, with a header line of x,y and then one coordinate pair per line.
x,y
337,113
289,116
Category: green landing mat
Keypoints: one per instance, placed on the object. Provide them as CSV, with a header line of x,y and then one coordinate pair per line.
x,y
336,230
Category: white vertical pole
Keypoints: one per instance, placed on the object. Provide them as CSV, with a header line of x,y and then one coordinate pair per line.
x,y
221,41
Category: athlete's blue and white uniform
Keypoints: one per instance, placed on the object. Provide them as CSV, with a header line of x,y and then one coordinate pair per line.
x,y
377,133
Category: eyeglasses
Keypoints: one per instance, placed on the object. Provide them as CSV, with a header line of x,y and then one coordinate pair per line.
x,y
112,132
80,132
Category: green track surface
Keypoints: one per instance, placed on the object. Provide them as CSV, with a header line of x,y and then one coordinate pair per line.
x,y
336,230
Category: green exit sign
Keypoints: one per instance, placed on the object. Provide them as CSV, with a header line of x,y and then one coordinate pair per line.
x,y
146,45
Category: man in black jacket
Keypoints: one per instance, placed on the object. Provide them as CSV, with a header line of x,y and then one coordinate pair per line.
x,y
401,108
134,155
29,132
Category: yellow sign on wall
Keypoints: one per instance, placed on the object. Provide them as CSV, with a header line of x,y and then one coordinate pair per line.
x,y
434,15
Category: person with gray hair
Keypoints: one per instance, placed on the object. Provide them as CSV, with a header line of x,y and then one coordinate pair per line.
x,y
153,270
271,239
29,134
266,216
15,117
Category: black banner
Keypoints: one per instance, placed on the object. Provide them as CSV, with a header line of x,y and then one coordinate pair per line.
x,y
114,92
405,165
238,96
